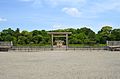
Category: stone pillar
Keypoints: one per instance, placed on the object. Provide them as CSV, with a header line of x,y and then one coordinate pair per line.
x,y
66,41
52,42
107,43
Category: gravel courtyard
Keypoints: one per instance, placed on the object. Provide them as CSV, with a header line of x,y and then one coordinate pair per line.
x,y
77,64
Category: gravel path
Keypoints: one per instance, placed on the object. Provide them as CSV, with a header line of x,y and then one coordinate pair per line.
x,y
60,65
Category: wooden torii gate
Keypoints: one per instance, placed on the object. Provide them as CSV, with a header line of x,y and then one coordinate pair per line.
x,y
59,34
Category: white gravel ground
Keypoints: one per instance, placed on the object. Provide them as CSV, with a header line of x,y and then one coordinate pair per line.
x,y
80,64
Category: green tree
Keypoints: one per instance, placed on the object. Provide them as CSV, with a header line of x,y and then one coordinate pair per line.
x,y
37,39
104,34
17,33
24,33
8,31
115,35
8,38
83,36
35,32
7,35
22,40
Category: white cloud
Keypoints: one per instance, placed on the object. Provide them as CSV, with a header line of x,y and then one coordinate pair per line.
x,y
104,6
64,26
34,3
72,12
87,8
57,26
56,2
26,0
95,6
37,3
61,26
66,2
3,19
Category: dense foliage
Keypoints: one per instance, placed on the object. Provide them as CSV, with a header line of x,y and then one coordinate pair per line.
x,y
79,36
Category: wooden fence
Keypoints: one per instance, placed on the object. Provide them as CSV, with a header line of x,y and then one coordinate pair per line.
x,y
48,48
113,45
5,46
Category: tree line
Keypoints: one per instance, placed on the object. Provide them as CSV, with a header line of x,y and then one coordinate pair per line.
x,y
79,36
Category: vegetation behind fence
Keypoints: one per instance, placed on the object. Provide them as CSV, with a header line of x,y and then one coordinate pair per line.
x,y
79,36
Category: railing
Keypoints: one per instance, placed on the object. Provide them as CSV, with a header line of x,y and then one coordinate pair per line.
x,y
6,44
30,48
113,45
48,48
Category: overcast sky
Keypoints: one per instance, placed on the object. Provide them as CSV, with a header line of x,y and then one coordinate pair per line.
x,y
58,14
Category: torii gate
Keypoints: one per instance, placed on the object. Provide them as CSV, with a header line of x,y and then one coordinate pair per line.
x,y
59,34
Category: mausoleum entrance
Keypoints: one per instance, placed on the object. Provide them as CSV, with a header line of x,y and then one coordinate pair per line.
x,y
59,42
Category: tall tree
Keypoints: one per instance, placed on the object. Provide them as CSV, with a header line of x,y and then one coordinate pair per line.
x,y
115,35
17,34
104,34
37,39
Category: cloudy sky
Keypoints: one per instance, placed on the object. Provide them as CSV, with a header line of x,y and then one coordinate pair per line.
x,y
56,14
